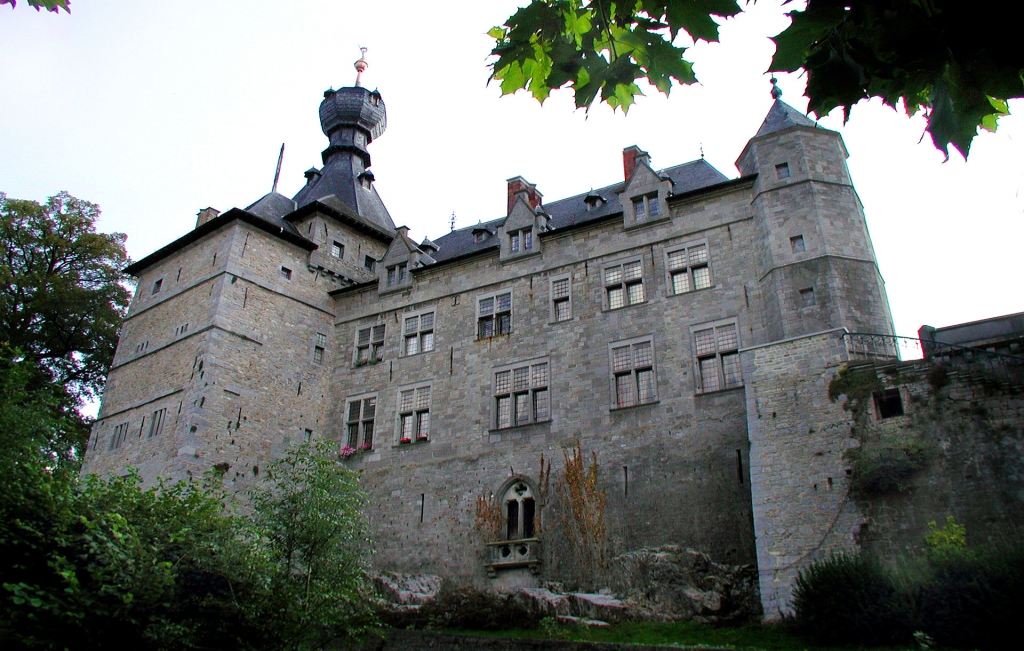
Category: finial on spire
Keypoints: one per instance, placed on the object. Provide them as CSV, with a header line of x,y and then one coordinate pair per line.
x,y
361,66
776,91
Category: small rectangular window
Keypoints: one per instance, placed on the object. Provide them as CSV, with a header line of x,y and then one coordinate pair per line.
x,y
359,423
716,353
494,315
318,354
561,299
807,297
632,365
624,284
156,423
337,250
688,268
639,209
419,333
370,344
321,339
398,274
521,394
653,207
370,263
307,435
513,244
782,170
888,403
157,285
286,273
797,244
414,414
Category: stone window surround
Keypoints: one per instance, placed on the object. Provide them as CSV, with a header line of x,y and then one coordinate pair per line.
x,y
720,356
537,394
520,241
372,345
364,420
319,347
423,336
398,275
555,301
623,284
797,244
337,250
782,171
416,413
688,268
807,298
633,372
157,286
495,315
647,207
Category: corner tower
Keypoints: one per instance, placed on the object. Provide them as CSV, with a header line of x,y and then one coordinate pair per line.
x,y
817,267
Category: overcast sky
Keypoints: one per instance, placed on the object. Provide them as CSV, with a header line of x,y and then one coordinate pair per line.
x,y
157,109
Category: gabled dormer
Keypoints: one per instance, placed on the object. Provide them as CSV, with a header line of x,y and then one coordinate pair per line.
x,y
525,220
402,257
644,196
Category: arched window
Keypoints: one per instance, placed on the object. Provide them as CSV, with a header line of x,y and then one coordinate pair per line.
x,y
520,508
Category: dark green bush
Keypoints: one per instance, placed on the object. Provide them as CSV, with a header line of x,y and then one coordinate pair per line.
x,y
973,600
847,599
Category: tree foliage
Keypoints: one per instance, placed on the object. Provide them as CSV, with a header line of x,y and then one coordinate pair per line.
x,y
93,564
62,292
943,57
49,5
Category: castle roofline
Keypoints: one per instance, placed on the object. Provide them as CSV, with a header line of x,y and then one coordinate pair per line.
x,y
342,212
198,233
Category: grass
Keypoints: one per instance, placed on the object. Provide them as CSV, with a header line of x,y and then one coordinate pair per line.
x,y
750,636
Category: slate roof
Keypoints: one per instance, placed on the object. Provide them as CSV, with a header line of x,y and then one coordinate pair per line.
x,y
782,116
338,178
572,211
273,207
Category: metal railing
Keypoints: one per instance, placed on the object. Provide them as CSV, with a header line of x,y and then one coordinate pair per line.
x,y
891,348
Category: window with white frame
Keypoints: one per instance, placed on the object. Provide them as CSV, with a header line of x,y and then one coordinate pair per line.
x,y
319,347
688,268
521,394
561,298
633,380
520,241
646,207
414,414
156,423
337,250
370,344
118,436
361,410
624,284
494,315
716,351
398,274
419,333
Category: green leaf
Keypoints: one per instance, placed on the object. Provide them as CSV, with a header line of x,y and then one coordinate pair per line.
x,y
794,44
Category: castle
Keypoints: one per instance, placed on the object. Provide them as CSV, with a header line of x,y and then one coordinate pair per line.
x,y
681,324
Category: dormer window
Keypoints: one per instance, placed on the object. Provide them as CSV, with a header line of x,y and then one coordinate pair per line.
x,y
521,240
398,274
593,201
646,206
480,236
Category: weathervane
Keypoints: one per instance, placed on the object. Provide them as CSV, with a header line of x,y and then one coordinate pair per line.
x,y
776,91
451,221
361,66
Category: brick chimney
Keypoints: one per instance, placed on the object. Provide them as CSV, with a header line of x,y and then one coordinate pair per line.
x,y
631,157
205,215
517,185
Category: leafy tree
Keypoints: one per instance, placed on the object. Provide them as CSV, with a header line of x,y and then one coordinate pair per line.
x,y
309,518
956,63
49,5
62,294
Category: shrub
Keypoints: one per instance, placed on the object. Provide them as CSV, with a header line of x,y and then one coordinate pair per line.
x,y
847,599
972,599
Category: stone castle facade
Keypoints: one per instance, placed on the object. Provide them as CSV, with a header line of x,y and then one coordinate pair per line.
x,y
681,324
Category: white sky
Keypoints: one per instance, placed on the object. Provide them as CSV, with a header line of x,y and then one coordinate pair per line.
x,y
157,109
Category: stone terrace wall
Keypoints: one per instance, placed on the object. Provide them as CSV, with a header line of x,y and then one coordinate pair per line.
x,y
969,431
